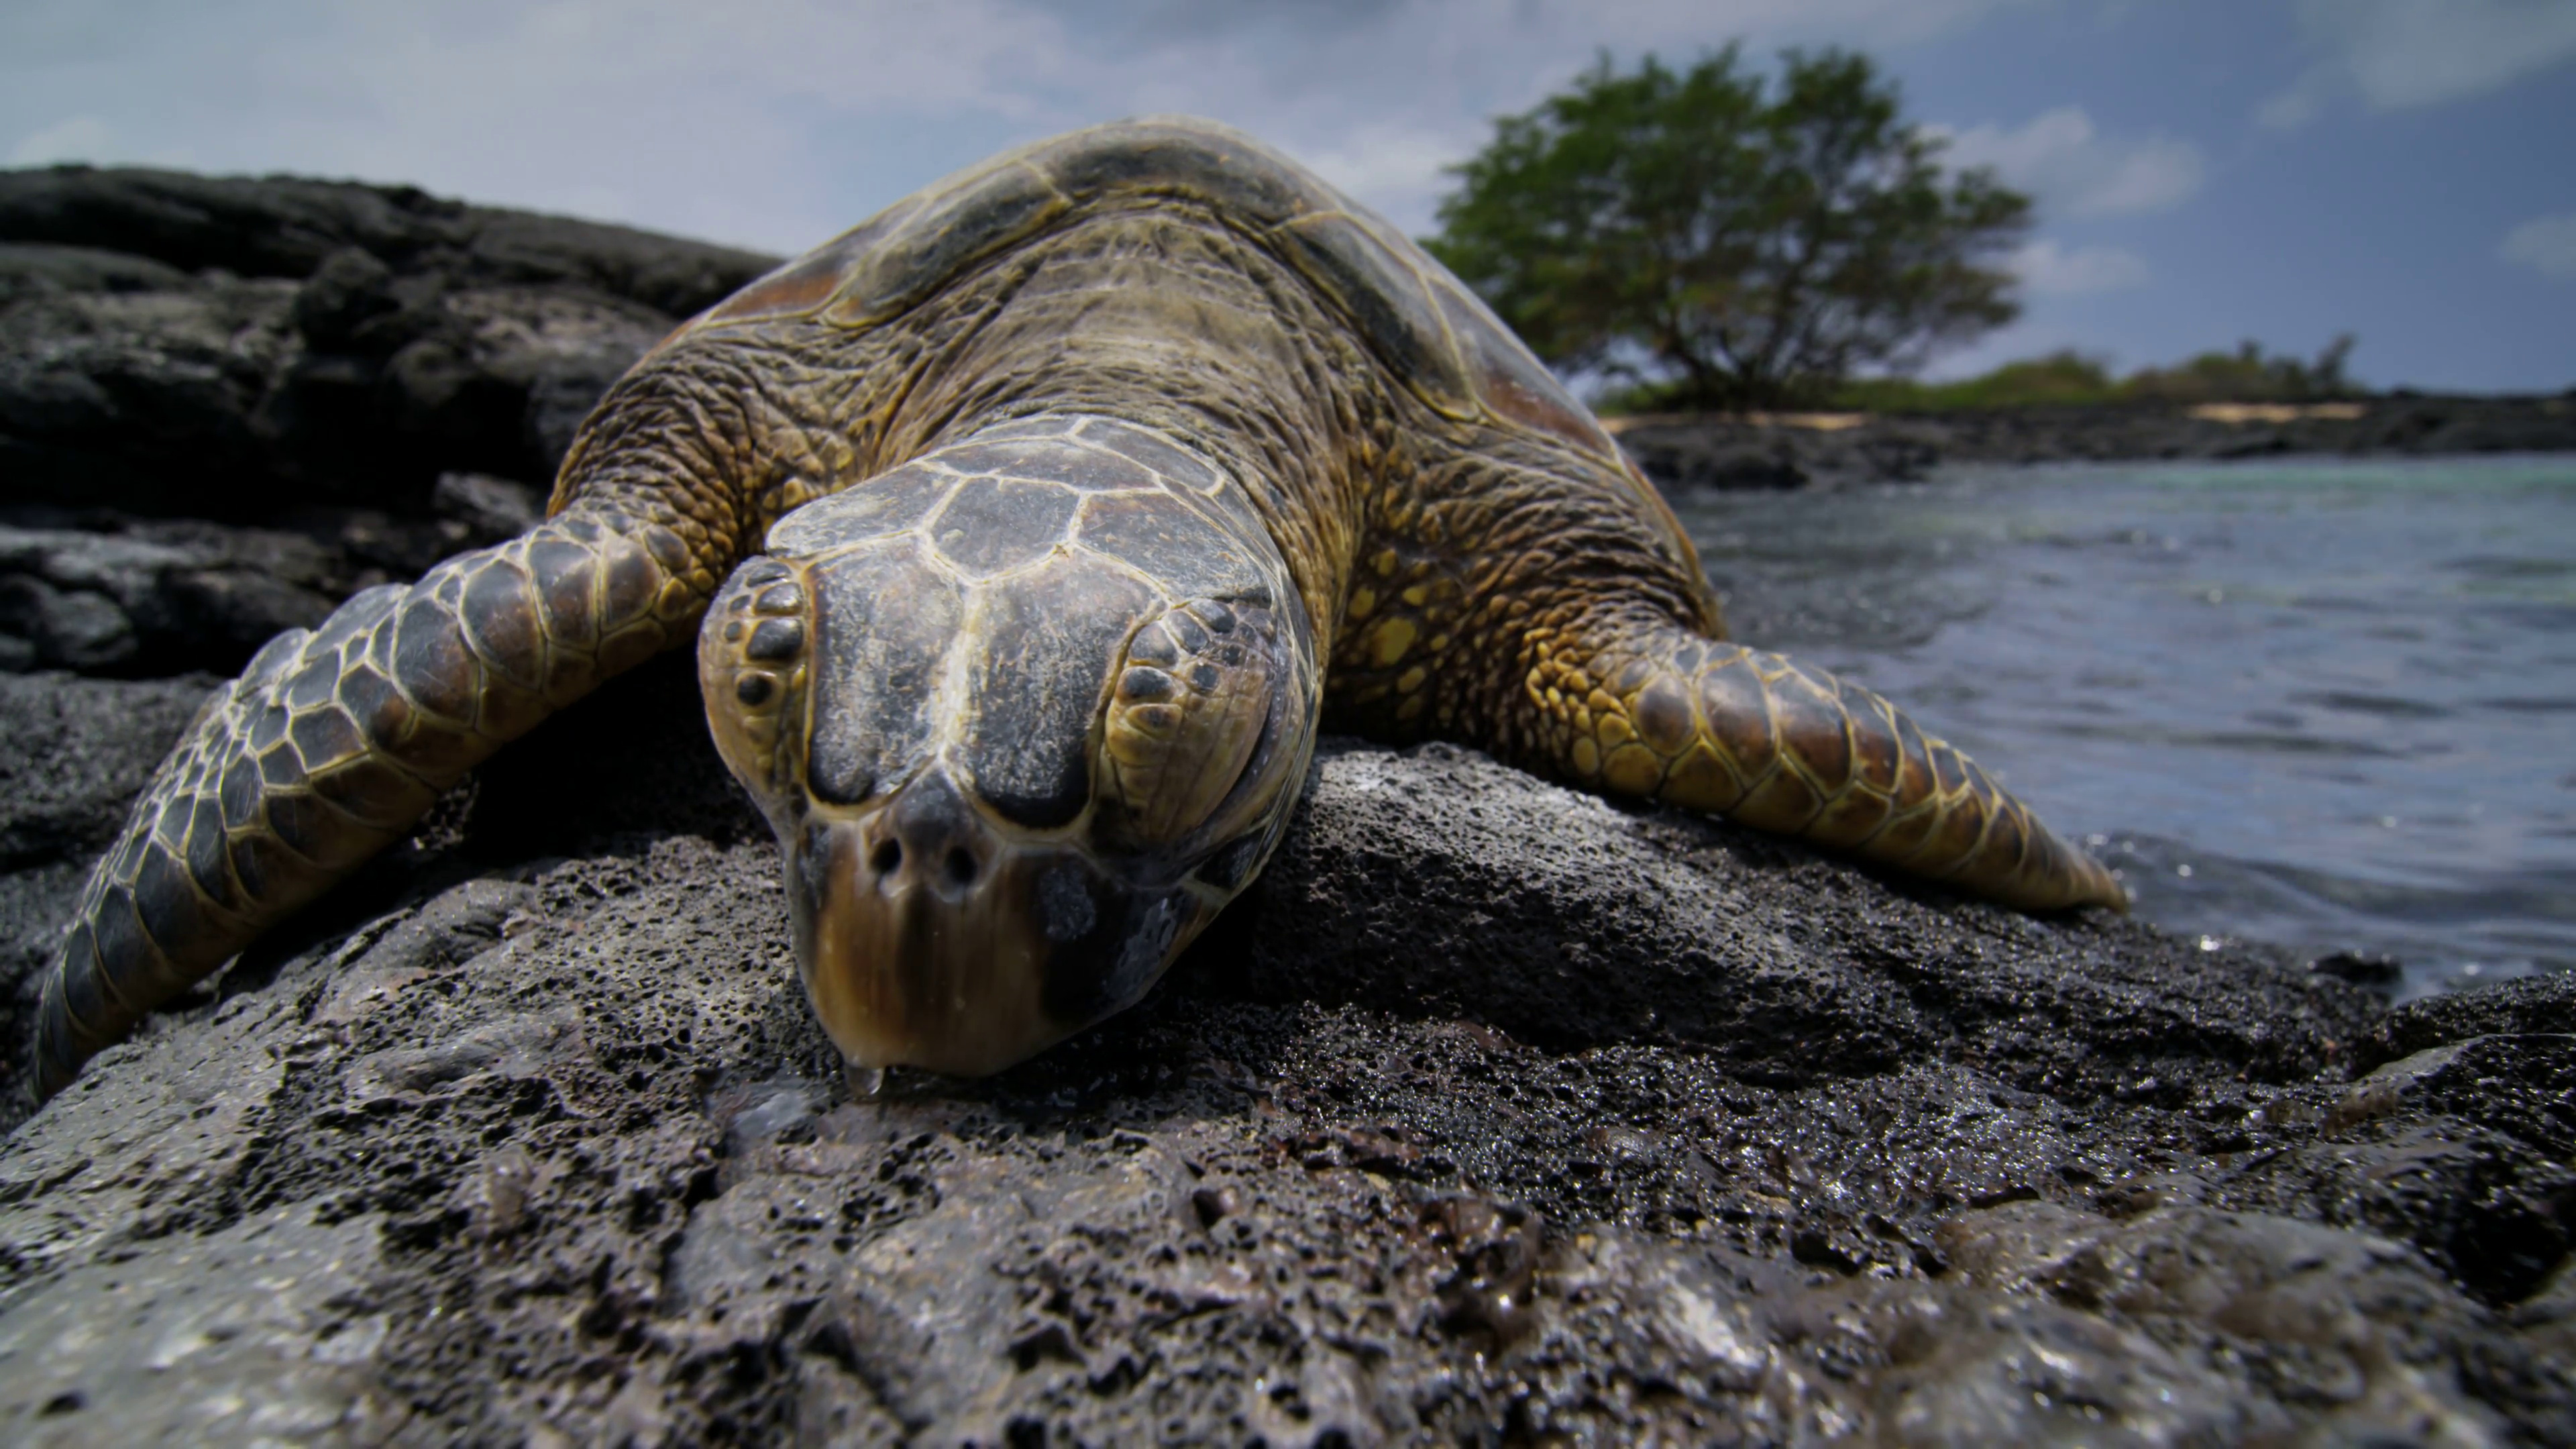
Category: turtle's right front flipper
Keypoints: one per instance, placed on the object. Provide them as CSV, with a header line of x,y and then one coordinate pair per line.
x,y
1653,710
334,743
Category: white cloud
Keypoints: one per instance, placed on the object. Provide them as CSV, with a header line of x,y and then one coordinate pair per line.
x,y
75,138
2301,103
778,122
661,112
2397,54
2546,244
2056,271
2028,338
2060,156
1395,169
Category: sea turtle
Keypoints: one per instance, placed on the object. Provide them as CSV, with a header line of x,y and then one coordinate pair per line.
x,y
1037,525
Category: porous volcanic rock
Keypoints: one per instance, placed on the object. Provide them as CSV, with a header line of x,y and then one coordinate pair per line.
x,y
1493,1112
234,347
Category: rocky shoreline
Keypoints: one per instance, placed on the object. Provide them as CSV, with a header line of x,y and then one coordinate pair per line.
x,y
1799,450
1493,1113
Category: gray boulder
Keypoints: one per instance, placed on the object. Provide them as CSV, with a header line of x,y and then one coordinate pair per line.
x,y
286,226
159,599
230,348
208,400
36,269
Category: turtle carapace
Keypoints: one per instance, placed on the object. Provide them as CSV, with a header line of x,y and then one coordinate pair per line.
x,y
1036,526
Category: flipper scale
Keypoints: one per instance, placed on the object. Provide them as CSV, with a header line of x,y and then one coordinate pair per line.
x,y
1791,749
333,744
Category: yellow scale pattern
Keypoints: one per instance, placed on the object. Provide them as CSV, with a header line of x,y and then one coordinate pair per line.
x,y
334,742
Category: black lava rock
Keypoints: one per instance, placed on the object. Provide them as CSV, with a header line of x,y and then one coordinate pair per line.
x,y
1493,1110
233,348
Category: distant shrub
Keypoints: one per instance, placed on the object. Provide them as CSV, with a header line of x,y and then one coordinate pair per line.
x,y
2059,377
2248,374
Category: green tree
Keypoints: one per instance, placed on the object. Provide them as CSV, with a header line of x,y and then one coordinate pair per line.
x,y
1730,243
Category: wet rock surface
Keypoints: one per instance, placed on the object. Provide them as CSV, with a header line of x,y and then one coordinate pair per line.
x,y
1829,450
1492,1112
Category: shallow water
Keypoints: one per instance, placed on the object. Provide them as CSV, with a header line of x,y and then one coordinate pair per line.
x,y
2329,703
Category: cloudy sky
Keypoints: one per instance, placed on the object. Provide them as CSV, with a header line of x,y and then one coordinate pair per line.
x,y
2207,170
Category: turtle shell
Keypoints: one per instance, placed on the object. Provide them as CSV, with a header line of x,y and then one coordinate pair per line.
x,y
1433,333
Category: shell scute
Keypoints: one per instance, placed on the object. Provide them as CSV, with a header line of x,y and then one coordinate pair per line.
x,y
1513,384
994,525
1169,542
964,222
807,283
888,503
1431,333
1380,290
787,292
811,280
1193,160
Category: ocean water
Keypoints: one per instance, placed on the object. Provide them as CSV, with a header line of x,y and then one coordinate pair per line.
x,y
2328,703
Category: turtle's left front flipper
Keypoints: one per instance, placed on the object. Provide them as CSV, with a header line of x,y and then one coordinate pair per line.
x,y
1653,710
335,742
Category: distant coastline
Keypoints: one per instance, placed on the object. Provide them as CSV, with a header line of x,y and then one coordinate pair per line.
x,y
1825,449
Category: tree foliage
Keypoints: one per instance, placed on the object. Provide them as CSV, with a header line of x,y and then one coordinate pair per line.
x,y
1735,243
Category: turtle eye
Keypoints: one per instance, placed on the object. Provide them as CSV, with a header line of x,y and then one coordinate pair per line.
x,y
1185,715
751,668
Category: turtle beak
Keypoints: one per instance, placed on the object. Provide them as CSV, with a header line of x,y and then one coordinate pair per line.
x,y
929,936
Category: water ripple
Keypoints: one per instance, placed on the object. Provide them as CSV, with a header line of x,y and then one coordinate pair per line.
x,y
2335,689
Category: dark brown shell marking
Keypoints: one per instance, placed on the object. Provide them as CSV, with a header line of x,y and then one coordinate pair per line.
x,y
1433,334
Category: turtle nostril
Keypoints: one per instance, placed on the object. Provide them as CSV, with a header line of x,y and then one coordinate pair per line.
x,y
887,856
961,867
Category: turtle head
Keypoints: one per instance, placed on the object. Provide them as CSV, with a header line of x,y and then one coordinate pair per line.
x,y
1024,713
